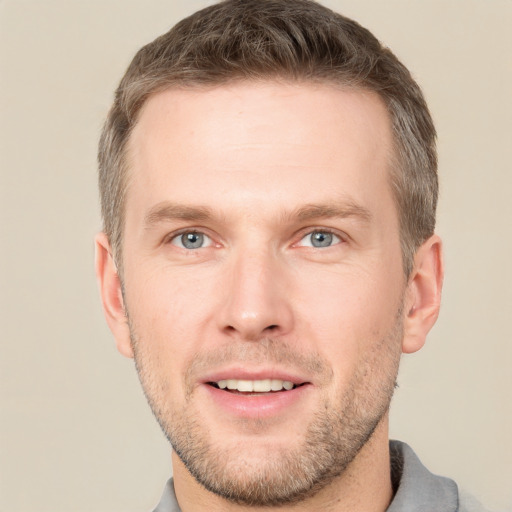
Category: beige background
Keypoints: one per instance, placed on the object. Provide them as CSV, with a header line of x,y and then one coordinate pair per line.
x,y
75,432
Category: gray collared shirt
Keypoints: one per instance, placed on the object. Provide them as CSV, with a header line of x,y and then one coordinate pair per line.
x,y
417,489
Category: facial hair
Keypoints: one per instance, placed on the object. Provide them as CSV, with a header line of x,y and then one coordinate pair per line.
x,y
336,433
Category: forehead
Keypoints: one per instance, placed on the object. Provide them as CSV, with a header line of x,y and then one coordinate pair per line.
x,y
271,140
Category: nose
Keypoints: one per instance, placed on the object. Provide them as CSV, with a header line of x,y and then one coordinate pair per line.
x,y
256,299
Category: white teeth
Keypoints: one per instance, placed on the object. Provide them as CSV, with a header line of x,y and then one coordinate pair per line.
x,y
262,386
276,385
245,385
256,386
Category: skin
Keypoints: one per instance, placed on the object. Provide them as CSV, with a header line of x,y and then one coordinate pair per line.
x,y
257,168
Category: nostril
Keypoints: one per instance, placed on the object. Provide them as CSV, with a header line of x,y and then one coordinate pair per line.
x,y
271,327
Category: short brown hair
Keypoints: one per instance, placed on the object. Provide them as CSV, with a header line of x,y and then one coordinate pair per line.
x,y
293,40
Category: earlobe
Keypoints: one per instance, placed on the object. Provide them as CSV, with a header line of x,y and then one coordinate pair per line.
x,y
423,296
111,295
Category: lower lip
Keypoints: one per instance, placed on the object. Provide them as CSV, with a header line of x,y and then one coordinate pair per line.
x,y
264,405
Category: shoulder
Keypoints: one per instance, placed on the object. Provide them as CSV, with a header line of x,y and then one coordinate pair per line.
x,y
419,490
468,503
168,501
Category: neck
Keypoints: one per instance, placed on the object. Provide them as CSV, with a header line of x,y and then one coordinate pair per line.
x,y
364,486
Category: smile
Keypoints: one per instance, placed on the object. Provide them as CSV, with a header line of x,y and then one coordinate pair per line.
x,y
254,386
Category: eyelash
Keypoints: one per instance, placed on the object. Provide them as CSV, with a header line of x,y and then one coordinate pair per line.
x,y
190,231
322,230
303,234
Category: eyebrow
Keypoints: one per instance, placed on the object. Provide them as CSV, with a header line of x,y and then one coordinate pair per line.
x,y
332,210
166,211
169,211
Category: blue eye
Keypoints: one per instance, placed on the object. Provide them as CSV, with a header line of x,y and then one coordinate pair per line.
x,y
319,239
192,240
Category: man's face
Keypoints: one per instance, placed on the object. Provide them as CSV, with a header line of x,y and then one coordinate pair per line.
x,y
261,252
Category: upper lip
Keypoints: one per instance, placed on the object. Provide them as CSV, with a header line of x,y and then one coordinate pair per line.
x,y
253,374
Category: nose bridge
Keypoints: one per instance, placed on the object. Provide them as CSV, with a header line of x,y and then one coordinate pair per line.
x,y
256,304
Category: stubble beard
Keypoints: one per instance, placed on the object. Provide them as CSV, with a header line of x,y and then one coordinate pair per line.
x,y
335,435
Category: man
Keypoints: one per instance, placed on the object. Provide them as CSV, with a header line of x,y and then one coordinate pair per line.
x,y
268,184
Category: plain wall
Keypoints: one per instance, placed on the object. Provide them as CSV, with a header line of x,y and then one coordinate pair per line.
x,y
75,431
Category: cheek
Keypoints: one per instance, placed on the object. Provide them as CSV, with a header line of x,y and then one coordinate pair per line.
x,y
347,314
347,301
168,312
175,297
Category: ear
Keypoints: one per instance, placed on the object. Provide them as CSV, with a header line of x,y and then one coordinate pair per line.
x,y
423,295
111,295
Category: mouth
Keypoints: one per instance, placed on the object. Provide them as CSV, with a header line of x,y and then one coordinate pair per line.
x,y
258,396
255,387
